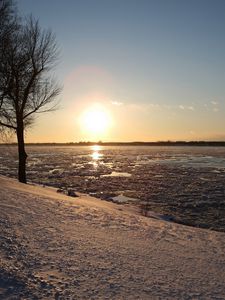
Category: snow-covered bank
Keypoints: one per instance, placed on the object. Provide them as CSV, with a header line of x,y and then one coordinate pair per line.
x,y
57,247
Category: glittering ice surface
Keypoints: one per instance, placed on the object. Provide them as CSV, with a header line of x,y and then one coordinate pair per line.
x,y
185,183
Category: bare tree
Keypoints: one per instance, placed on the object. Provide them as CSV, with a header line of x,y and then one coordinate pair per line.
x,y
26,88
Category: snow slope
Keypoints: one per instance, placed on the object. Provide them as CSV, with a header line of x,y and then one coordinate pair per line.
x,y
58,247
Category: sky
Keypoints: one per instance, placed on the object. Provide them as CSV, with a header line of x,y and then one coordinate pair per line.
x,y
135,70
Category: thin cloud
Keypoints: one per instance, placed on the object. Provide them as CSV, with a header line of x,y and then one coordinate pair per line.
x,y
214,106
116,103
154,106
182,107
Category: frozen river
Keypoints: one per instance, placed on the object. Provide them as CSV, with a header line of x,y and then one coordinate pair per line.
x,y
187,184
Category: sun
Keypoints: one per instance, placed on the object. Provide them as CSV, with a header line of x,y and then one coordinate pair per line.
x,y
95,121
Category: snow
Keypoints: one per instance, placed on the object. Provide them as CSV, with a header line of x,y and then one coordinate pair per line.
x,y
57,247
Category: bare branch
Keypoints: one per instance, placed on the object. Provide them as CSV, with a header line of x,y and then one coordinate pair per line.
x,y
7,125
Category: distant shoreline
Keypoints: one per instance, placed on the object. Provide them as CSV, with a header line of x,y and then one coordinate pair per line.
x,y
161,143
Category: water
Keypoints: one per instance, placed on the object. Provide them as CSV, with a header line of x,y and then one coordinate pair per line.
x,y
185,184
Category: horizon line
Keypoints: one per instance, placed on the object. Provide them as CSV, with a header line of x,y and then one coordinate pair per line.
x,y
90,143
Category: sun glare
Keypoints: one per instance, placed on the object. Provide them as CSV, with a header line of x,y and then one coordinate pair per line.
x,y
95,121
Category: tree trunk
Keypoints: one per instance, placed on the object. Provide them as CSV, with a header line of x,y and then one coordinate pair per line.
x,y
21,151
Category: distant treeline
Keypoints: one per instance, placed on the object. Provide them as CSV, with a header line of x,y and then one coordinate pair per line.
x,y
159,143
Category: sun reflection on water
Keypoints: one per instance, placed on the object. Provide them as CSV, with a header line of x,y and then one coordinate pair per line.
x,y
95,147
96,155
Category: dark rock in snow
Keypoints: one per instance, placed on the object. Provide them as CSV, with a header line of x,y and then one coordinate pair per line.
x,y
71,193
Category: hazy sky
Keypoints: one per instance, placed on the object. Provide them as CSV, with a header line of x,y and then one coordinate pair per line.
x,y
149,70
